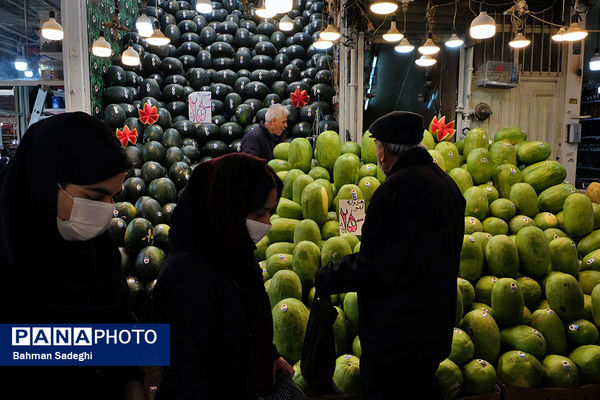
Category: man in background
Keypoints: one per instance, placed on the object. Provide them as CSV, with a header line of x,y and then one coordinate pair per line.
x,y
262,139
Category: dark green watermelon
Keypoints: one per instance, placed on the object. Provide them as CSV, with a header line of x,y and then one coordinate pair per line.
x,y
152,211
177,108
220,91
198,77
255,89
189,37
227,27
230,131
223,63
215,148
114,116
218,120
163,190
173,92
299,85
133,189
131,112
300,63
278,39
242,59
187,26
262,75
206,132
221,49
153,132
280,88
125,211
161,237
262,62
265,48
323,92
324,76
235,146
249,25
293,115
291,73
329,125
204,59
186,128
148,263
135,156
189,48
257,38
302,39
324,107
180,173
116,95
217,106
248,128
190,141
256,104
200,21
243,38
226,76
153,151
244,73
271,99
232,101
207,36
301,129
192,153
244,114
172,32
172,155
281,60
261,114
240,85
115,76
308,113
164,118
266,28
167,210
295,51
183,15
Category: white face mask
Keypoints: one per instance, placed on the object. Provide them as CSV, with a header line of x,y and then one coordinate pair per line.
x,y
257,229
88,219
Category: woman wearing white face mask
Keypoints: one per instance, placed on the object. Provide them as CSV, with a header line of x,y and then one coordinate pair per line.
x,y
58,263
210,289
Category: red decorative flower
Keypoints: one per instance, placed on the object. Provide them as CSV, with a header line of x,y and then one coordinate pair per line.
x,y
148,115
444,131
125,136
299,98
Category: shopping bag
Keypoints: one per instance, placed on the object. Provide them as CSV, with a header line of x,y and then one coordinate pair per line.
x,y
285,388
318,353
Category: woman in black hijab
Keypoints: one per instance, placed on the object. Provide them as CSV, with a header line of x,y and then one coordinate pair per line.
x,y
57,262
211,289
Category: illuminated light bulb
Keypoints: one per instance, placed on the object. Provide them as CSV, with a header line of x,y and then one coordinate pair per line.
x,y
28,74
286,24
483,26
330,34
425,61
265,12
393,35
454,41
383,7
574,33
519,41
279,6
51,29
20,64
429,48
404,46
204,6
560,35
144,26
595,61
323,44
101,48
130,57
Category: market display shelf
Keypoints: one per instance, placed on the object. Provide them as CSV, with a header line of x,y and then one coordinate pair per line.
x,y
584,392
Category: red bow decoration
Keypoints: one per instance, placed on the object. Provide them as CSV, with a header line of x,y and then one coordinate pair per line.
x,y
444,131
148,115
125,136
299,98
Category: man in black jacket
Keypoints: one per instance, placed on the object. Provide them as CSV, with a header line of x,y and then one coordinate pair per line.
x,y
405,272
262,139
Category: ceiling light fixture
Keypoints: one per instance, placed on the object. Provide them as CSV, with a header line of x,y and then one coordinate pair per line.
x,y
204,6
595,61
483,26
158,38
454,40
130,56
20,64
383,7
144,25
322,44
330,33
28,73
429,48
393,35
560,35
52,30
425,61
279,6
574,33
286,24
264,12
519,42
101,47
404,46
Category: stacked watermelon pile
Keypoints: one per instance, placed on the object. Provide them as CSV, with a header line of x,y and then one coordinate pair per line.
x,y
305,235
528,309
247,64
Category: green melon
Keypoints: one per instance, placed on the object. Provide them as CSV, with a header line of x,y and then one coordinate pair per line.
x,y
278,262
531,152
504,177
479,165
589,243
560,371
462,347
544,174
472,225
288,183
306,261
476,138
502,256
462,178
545,220
507,302
578,215
531,289
479,377
587,360
449,378
471,259
483,289
563,256
345,170
564,295
334,249
495,226
519,222
524,338
503,209
477,204
580,333
346,376
281,150
503,152
524,198
290,318
368,148
278,247
517,368
289,209
328,149
534,251
319,173
307,229
468,292
511,134
284,284
483,331
553,198
449,153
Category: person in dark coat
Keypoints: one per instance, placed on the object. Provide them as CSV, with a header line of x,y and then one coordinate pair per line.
x,y
262,139
58,263
210,289
405,272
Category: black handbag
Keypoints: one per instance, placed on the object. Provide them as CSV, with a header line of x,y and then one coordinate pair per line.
x,y
318,353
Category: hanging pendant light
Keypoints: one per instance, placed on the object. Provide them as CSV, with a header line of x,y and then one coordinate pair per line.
x,y
595,61
28,73
519,42
101,48
383,7
204,6
404,46
483,26
130,56
322,44
454,41
330,33
286,24
279,6
429,48
265,12
425,61
51,30
144,26
20,64
393,35
560,35
158,38
574,33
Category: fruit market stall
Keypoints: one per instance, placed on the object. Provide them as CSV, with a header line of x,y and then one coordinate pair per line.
x,y
528,309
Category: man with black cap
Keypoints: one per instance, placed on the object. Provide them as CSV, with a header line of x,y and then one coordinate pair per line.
x,y
405,272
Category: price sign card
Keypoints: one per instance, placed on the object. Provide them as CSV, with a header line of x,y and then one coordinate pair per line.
x,y
352,216
199,107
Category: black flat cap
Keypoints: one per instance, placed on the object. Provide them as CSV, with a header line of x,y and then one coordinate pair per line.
x,y
402,127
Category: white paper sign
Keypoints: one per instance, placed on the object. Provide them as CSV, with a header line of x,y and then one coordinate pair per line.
x,y
199,107
351,216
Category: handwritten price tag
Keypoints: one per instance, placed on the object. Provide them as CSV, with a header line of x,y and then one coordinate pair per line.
x,y
199,107
352,216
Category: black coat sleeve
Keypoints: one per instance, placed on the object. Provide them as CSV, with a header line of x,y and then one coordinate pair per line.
x,y
383,249
251,145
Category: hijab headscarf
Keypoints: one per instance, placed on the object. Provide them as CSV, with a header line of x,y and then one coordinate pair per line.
x,y
46,278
